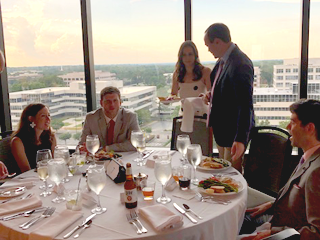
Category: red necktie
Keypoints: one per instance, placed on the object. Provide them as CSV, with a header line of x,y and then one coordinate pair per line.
x,y
212,89
110,132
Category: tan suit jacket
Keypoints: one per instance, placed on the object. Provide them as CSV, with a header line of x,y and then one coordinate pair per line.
x,y
95,123
297,205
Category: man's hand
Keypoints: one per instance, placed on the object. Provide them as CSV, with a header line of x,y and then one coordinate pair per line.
x,y
3,171
205,97
237,150
259,210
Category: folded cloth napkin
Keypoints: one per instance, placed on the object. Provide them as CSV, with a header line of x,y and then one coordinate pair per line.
x,y
187,195
160,217
12,183
20,205
55,225
191,106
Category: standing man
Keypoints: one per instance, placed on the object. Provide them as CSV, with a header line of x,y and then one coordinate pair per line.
x,y
297,205
111,123
231,106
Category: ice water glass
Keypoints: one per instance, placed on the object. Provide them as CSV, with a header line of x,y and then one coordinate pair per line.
x,y
61,151
92,144
194,155
183,141
163,173
57,171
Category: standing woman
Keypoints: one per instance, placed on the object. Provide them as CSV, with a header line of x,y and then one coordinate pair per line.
x,y
33,134
190,77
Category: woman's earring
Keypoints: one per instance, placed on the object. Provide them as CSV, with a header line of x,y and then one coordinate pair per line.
x,y
32,125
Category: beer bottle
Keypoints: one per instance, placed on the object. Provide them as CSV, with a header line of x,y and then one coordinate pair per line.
x,y
130,189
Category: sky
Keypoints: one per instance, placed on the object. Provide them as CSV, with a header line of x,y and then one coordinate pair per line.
x,y
48,32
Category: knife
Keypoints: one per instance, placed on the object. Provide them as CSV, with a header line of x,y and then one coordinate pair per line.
x,y
148,154
6,218
79,226
184,213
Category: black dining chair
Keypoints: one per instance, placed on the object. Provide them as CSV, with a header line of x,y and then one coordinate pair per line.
x,y
200,135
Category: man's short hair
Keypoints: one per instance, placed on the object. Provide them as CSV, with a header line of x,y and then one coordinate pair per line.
x,y
308,111
218,30
109,90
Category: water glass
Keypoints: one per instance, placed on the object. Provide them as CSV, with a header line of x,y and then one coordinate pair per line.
x,y
57,171
163,173
194,155
183,141
92,144
74,199
61,151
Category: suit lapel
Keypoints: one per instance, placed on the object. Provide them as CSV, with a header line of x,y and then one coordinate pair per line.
x,y
103,128
118,126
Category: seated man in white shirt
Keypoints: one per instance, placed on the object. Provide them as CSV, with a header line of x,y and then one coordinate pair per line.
x,y
111,123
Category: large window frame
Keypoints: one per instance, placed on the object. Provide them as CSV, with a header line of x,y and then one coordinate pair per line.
x,y
5,119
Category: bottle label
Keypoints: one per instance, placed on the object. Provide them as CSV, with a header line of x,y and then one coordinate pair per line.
x,y
131,195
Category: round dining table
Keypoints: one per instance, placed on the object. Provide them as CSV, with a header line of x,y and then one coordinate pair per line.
x,y
219,222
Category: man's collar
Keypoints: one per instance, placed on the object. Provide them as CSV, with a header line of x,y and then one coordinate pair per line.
x,y
226,55
310,151
108,119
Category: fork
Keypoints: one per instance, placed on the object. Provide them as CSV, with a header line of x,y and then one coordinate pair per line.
x,y
47,213
130,220
20,198
203,199
135,217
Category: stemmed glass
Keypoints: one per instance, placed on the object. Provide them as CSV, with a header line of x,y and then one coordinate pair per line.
x,y
61,151
163,172
134,136
183,141
44,154
97,180
141,146
42,169
92,144
57,171
194,155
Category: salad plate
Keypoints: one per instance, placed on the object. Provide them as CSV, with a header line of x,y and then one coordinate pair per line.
x,y
225,186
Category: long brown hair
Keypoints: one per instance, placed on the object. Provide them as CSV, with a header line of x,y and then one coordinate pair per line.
x,y
180,67
24,128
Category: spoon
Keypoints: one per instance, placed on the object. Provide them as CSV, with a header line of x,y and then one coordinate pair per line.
x,y
84,228
189,210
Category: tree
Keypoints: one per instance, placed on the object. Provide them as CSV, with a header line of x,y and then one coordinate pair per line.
x,y
284,124
65,136
143,116
56,124
76,136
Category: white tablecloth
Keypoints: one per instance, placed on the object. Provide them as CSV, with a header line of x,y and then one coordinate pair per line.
x,y
220,222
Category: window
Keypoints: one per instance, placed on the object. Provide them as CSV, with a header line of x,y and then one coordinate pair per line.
x,y
288,70
279,70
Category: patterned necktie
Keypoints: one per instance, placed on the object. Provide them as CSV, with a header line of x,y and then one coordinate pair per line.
x,y
221,63
110,132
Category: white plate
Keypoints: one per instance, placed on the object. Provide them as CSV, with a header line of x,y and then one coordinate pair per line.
x,y
12,192
240,188
215,169
171,101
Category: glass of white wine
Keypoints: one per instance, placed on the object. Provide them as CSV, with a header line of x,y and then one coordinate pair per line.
x,y
163,173
92,144
73,165
183,141
57,171
194,155
44,154
141,146
134,136
61,151
97,180
42,169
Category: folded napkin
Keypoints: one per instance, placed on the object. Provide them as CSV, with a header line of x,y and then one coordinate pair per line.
x,y
160,217
191,106
12,183
20,205
55,225
187,195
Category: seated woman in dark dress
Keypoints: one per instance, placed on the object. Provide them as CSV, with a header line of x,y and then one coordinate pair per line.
x,y
33,134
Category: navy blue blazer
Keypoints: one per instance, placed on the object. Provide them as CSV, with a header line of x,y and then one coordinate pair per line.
x,y
232,115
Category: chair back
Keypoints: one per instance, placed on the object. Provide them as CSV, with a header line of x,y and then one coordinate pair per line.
x,y
268,165
201,134
6,156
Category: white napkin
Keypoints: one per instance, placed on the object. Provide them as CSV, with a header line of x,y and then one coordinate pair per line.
x,y
12,183
187,194
190,107
20,205
160,217
55,225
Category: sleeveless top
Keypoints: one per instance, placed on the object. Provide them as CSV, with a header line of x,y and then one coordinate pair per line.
x,y
31,149
193,89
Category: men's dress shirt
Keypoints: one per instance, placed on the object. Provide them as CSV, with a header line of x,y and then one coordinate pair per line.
x,y
126,122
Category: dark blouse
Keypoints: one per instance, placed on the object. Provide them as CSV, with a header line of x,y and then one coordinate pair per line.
x,y
31,149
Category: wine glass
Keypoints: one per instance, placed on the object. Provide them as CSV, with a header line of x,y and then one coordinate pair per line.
x,y
97,180
163,172
194,155
61,151
141,146
42,169
57,171
134,136
183,141
92,144
44,154
73,164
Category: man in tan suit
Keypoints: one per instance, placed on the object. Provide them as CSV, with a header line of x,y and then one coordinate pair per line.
x,y
111,123
297,205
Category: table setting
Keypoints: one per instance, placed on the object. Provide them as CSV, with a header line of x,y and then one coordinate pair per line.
x,y
165,210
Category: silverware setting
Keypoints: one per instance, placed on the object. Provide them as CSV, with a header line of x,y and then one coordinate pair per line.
x,y
17,190
223,174
135,217
181,210
23,214
86,221
47,213
211,200
147,154
19,198
188,209
83,228
130,220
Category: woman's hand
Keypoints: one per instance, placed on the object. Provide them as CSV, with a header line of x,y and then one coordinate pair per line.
x,y
3,171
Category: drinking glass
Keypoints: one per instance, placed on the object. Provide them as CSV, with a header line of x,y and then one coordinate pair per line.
x,y
42,169
141,146
44,154
97,180
57,171
194,155
183,141
61,151
163,172
134,137
92,144
73,165
80,158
